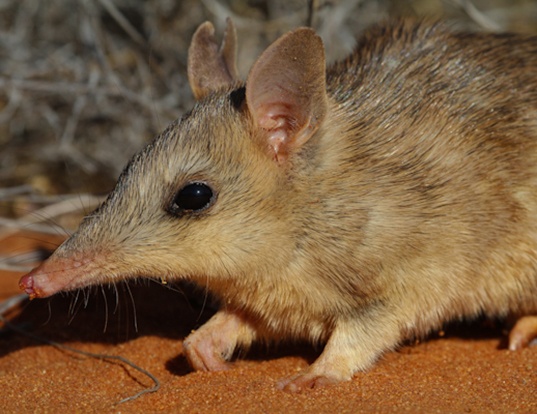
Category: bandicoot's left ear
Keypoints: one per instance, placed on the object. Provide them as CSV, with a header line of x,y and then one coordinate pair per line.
x,y
286,91
211,67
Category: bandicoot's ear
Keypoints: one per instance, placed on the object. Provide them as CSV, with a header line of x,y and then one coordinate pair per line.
x,y
211,67
286,91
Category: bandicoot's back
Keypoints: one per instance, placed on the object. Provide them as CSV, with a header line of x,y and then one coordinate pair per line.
x,y
357,208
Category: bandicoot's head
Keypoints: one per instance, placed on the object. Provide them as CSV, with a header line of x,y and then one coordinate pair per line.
x,y
208,198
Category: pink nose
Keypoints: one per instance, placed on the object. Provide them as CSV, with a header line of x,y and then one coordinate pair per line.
x,y
27,284
54,275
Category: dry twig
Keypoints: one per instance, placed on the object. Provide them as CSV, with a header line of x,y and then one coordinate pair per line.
x,y
14,301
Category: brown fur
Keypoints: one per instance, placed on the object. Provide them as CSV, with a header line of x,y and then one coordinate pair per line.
x,y
403,197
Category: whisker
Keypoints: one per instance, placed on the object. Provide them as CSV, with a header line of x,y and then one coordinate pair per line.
x,y
33,220
114,285
173,288
36,221
133,307
12,226
74,300
105,309
49,307
23,262
86,293
205,298
75,310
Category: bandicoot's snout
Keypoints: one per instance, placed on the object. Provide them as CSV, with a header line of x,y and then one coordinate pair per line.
x,y
33,282
54,275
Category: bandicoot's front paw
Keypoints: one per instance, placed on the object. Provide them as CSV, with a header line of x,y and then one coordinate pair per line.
x,y
208,348
524,333
308,380
203,353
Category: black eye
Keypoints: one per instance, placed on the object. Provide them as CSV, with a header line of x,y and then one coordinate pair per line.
x,y
192,198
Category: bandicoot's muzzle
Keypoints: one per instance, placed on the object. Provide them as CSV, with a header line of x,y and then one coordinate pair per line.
x,y
52,276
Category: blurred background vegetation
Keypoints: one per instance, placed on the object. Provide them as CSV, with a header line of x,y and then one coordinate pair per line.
x,y
86,83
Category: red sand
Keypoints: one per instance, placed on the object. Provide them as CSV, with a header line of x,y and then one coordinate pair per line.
x,y
467,370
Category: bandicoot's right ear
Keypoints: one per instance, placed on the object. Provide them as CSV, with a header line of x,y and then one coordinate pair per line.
x,y
211,67
286,92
